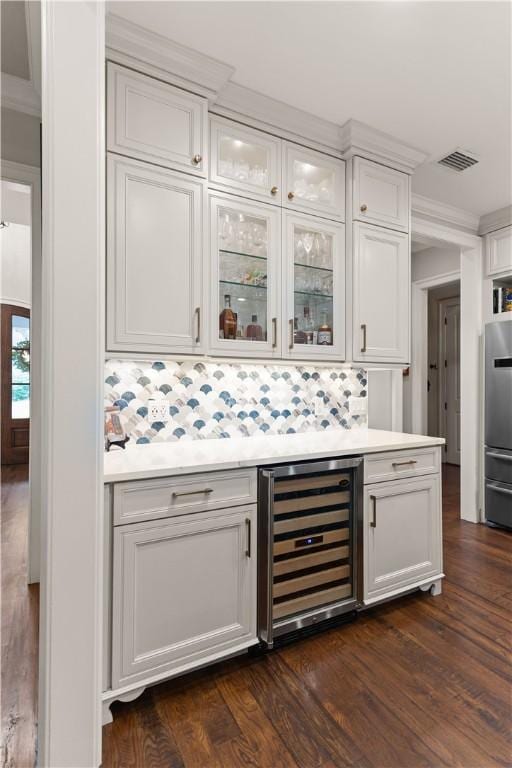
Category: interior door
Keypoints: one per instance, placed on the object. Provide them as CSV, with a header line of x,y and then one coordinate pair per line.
x,y
450,378
15,353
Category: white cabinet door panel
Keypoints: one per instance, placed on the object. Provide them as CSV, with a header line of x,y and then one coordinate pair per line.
x,y
499,251
381,295
154,258
184,589
380,195
313,182
402,534
244,161
156,122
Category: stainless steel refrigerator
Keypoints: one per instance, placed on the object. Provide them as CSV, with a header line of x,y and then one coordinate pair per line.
x,y
498,423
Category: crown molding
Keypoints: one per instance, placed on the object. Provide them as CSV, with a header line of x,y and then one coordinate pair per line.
x,y
20,95
240,103
495,220
360,139
129,44
443,213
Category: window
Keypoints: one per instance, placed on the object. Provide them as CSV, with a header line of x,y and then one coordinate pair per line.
x,y
20,357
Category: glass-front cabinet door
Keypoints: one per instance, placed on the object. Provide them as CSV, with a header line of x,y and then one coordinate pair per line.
x,y
313,182
314,287
245,242
245,161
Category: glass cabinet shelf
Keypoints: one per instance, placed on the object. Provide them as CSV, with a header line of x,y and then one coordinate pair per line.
x,y
314,295
240,253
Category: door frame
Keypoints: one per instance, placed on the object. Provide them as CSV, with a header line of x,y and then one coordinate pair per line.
x,y
443,377
470,276
31,176
8,311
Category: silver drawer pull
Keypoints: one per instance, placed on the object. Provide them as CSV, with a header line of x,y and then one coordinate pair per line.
x,y
403,463
499,456
496,488
176,494
248,529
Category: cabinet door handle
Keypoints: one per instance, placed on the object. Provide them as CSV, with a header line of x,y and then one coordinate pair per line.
x,y
290,195
363,208
373,523
198,316
248,532
177,494
274,332
403,463
196,159
290,343
363,329
274,191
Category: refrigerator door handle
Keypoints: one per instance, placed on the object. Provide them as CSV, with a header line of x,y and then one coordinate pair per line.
x,y
496,488
502,456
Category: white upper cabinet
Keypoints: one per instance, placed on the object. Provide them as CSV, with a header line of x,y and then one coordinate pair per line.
x,y
499,251
313,288
313,182
153,121
380,299
155,230
245,258
244,161
402,535
380,195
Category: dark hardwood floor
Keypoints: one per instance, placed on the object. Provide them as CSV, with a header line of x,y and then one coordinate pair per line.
x,y
421,681
19,626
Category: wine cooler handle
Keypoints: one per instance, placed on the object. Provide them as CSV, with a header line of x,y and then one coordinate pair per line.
x,y
373,523
198,316
274,332
248,531
363,328
290,344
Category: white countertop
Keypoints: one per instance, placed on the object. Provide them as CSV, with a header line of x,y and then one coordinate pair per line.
x,y
137,462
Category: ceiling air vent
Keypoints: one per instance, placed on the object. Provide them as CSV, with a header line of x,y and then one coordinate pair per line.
x,y
458,160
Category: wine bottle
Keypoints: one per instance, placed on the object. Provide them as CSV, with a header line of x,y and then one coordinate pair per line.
x,y
254,331
324,331
227,320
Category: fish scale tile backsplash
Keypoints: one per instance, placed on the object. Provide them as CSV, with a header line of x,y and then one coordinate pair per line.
x,y
221,400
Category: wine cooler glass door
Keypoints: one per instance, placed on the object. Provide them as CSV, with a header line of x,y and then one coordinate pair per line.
x,y
315,287
245,237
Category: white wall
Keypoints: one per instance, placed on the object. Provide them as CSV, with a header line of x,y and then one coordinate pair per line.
x,y
16,245
434,261
20,140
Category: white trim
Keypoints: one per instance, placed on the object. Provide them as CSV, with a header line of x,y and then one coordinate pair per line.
x,y
33,21
276,117
490,222
16,303
20,95
442,233
70,668
180,64
444,213
31,175
362,140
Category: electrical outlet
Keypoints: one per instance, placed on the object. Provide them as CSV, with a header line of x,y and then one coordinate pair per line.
x,y
358,405
158,411
319,407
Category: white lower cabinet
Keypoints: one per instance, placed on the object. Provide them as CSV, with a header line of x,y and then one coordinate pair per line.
x,y
402,535
184,592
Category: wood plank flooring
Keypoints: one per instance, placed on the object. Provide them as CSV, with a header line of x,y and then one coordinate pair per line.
x,y
421,681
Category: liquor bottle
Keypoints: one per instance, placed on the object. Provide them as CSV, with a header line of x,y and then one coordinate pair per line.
x,y
308,326
227,320
254,331
325,331
299,337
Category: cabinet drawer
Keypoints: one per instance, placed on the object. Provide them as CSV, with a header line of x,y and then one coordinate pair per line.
x,y
154,499
156,122
391,466
380,195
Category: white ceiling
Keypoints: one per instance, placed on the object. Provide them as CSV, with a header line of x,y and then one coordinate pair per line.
x,y
434,74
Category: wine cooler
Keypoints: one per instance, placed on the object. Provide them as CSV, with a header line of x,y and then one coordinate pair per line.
x,y
310,533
